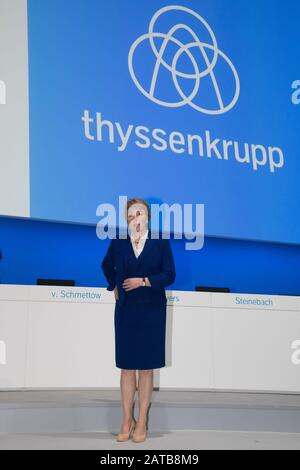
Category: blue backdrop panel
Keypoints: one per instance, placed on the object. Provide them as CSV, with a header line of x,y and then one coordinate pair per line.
x,y
37,249
226,73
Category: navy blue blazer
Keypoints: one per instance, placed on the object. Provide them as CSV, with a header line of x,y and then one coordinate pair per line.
x,y
155,262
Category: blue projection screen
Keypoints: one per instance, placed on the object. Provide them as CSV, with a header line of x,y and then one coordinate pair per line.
x,y
193,103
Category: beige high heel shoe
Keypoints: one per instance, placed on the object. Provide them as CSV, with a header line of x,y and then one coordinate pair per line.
x,y
124,436
140,437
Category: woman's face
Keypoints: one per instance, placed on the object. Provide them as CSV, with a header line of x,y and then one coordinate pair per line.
x,y
137,218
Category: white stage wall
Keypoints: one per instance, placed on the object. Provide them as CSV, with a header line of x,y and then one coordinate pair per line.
x,y
60,337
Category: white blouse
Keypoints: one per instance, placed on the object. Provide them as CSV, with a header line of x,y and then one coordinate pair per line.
x,y
142,240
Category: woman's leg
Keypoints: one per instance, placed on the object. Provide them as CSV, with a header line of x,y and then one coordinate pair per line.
x,y
128,388
145,387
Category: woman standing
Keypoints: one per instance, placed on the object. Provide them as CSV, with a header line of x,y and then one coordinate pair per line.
x,y
138,268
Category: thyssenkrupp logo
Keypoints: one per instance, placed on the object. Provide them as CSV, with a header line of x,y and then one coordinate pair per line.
x,y
152,93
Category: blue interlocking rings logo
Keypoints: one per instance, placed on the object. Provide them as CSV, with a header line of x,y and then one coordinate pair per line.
x,y
187,49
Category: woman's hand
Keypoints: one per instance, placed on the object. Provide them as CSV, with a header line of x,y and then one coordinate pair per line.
x,y
132,283
116,293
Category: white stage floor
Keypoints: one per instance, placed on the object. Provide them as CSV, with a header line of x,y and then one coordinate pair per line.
x,y
90,419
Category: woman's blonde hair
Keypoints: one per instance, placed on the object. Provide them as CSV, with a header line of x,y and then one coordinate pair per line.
x,y
132,201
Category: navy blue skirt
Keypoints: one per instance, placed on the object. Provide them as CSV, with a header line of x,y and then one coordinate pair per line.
x,y
140,334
